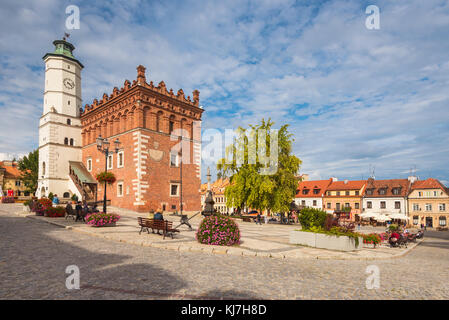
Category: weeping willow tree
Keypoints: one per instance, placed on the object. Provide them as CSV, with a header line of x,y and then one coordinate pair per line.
x,y
261,168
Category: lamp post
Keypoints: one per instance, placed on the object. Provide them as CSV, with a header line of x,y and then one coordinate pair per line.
x,y
103,146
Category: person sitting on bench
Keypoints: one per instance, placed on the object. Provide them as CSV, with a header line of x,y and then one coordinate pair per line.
x,y
158,216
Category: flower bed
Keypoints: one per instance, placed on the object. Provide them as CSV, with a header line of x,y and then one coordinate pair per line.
x,y
8,200
55,212
100,219
41,206
218,230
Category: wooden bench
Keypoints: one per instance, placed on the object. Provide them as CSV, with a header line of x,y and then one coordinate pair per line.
x,y
164,225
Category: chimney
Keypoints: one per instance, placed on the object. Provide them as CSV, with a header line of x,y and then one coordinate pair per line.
x,y
305,177
334,179
346,181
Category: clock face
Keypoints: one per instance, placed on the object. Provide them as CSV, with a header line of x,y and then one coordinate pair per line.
x,y
69,84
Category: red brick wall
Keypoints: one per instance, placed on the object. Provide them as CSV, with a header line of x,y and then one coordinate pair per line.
x,y
158,174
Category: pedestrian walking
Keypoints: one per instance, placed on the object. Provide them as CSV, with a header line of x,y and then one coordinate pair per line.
x,y
259,219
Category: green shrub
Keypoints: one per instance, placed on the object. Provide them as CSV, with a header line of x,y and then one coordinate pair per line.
x,y
310,217
74,198
393,227
51,196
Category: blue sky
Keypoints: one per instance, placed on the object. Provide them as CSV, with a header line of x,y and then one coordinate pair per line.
x,y
353,97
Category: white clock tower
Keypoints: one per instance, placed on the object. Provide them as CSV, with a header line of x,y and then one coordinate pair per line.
x,y
60,124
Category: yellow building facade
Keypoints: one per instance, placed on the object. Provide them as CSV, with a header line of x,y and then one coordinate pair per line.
x,y
428,204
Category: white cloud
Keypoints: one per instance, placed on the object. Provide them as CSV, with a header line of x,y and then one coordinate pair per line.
x,y
367,96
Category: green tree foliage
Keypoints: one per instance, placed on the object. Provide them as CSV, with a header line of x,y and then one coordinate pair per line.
x,y
29,167
249,184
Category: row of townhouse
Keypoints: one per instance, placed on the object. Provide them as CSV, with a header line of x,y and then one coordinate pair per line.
x,y
421,201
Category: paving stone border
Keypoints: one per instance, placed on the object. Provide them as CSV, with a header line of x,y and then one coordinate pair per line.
x,y
217,250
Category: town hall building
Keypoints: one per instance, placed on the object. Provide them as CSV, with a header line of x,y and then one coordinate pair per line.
x,y
158,162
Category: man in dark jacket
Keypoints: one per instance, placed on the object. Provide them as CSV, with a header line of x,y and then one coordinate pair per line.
x,y
158,216
79,212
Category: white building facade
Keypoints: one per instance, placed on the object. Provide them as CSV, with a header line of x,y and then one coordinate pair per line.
x,y
386,197
310,193
60,125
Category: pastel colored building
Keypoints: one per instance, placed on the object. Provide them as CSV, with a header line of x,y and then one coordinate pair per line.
x,y
310,193
385,197
428,203
344,198
10,182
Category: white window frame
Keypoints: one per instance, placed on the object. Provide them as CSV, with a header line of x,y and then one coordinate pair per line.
x,y
177,190
176,160
442,207
89,160
120,183
118,159
428,207
441,220
415,207
110,161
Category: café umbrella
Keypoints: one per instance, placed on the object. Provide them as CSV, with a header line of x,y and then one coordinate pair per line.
x,y
382,218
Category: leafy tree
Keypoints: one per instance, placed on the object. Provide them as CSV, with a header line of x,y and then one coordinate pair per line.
x,y
29,167
251,184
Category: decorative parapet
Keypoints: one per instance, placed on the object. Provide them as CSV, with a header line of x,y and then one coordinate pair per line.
x,y
141,81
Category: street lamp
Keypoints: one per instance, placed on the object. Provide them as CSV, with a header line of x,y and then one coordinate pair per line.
x,y
103,146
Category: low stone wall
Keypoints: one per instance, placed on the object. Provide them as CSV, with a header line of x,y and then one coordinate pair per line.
x,y
324,241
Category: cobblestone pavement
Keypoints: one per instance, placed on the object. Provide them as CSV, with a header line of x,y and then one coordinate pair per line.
x,y
34,256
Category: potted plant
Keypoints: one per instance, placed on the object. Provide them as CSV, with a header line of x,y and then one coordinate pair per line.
x,y
107,177
100,219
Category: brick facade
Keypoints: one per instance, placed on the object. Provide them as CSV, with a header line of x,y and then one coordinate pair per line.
x,y
142,117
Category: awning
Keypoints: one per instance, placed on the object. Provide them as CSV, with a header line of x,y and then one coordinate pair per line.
x,y
382,218
81,172
399,216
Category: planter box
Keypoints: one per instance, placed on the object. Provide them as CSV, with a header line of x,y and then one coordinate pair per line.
x,y
303,238
369,245
324,241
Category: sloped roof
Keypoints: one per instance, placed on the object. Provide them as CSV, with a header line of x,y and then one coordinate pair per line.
x,y
388,185
349,185
429,183
11,171
311,185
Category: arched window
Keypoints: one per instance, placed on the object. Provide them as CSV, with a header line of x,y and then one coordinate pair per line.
x,y
71,141
43,168
69,122
66,195
66,140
